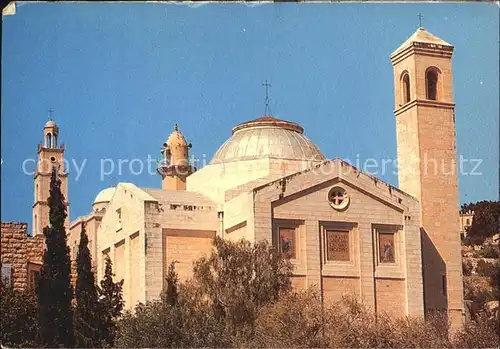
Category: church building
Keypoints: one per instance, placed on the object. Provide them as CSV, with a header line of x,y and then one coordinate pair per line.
x,y
348,232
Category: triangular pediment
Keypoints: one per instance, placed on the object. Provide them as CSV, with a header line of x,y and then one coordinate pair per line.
x,y
337,171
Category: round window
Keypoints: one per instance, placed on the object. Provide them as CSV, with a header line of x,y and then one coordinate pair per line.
x,y
338,198
53,159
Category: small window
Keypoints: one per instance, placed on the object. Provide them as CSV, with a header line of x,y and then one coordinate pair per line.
x,y
431,83
34,271
337,245
119,218
287,241
35,228
443,284
406,88
6,274
467,221
387,253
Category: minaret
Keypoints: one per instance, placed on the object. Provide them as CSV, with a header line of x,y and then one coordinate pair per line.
x,y
174,167
427,169
50,154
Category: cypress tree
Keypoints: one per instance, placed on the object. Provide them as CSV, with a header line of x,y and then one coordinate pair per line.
x,y
172,279
87,312
111,303
54,290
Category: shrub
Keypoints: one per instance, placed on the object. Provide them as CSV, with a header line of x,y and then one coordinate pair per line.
x,y
474,240
296,320
481,332
490,251
19,317
218,307
484,268
467,268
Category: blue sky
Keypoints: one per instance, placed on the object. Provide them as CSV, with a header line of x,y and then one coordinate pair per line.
x,y
118,76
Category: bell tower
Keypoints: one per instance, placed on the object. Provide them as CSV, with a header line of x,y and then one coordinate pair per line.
x,y
174,167
50,154
427,168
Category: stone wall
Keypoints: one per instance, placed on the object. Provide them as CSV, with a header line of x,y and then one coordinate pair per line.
x,y
18,249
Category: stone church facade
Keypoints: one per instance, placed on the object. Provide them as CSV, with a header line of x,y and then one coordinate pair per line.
x,y
348,232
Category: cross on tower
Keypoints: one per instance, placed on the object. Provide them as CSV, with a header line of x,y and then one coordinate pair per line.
x,y
267,111
420,16
50,113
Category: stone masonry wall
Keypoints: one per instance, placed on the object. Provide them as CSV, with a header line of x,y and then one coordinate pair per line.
x,y
17,249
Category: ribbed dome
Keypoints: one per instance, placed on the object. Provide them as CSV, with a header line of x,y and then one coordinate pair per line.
x,y
267,137
104,195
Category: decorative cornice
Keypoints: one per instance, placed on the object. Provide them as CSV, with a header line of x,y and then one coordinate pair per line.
x,y
45,203
41,148
48,174
423,49
424,103
175,170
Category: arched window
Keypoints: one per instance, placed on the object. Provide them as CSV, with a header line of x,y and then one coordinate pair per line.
x,y
405,85
36,193
48,140
431,83
35,228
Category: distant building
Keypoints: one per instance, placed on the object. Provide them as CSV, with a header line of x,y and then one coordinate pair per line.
x,y
465,222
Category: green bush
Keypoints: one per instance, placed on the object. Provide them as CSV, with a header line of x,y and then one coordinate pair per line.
x,y
484,268
490,251
19,318
467,268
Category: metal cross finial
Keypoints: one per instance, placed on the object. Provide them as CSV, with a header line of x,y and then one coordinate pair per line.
x,y
420,16
176,127
267,110
50,113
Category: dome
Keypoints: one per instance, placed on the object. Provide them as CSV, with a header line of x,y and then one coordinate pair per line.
x,y
51,123
104,195
267,137
176,138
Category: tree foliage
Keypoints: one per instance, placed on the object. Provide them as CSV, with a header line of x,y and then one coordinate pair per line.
x,y
218,307
88,315
467,267
111,304
171,293
485,222
54,290
488,269
19,317
239,277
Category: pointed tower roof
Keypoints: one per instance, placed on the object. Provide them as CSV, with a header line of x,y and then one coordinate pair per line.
x,y
421,35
